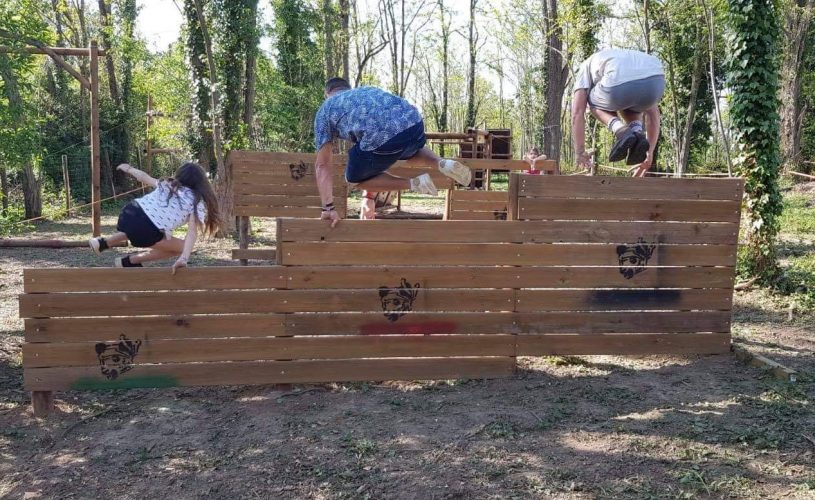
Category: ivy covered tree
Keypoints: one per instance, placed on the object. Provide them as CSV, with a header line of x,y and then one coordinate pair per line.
x,y
753,79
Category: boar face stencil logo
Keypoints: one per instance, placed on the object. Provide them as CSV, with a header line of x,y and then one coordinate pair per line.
x,y
500,214
298,170
397,301
117,359
634,258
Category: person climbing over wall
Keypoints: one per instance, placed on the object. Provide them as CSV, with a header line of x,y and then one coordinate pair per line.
x,y
384,128
532,157
149,221
620,87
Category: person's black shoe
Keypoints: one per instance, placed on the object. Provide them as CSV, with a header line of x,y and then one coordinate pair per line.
x,y
625,138
639,151
125,262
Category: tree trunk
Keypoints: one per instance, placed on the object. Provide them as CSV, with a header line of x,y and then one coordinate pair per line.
x,y
345,14
328,31
107,31
556,73
32,192
470,119
684,153
4,190
796,21
223,186
201,133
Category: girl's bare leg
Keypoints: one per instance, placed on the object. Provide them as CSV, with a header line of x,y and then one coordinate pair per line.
x,y
164,249
116,239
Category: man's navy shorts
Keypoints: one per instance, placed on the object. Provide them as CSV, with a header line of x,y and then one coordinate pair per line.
x,y
363,165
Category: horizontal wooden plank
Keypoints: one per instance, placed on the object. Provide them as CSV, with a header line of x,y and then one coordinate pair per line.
x,y
268,254
298,212
402,230
633,188
633,210
131,279
265,325
479,206
478,195
252,301
624,344
307,180
506,277
238,155
510,231
262,200
41,355
269,372
466,254
306,189
474,215
619,300
176,326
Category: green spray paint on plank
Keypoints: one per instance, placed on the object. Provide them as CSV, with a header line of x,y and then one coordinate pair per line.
x,y
95,384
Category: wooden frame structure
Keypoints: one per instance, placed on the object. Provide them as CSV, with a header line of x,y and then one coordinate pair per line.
x,y
92,85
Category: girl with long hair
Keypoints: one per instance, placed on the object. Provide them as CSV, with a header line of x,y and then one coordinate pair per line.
x,y
148,222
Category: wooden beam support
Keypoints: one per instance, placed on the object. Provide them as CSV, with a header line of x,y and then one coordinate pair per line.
x,y
778,370
96,168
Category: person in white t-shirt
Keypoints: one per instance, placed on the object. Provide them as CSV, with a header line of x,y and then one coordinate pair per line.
x,y
619,87
149,221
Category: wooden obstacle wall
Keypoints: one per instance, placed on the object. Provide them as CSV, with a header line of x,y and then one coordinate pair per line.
x,y
390,299
269,184
674,240
463,204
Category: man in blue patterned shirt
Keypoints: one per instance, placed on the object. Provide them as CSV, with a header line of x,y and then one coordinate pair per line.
x,y
384,128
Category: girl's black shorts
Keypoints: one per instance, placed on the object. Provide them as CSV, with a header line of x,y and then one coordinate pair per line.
x,y
139,229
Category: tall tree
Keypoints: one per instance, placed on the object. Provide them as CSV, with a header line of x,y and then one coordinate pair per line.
x,y
472,46
200,136
402,22
556,75
796,22
753,80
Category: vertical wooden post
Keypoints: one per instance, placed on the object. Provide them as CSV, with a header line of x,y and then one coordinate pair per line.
x,y
243,236
96,191
42,402
66,184
148,146
448,199
514,189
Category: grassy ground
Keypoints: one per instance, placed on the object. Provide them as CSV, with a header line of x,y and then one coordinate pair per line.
x,y
588,427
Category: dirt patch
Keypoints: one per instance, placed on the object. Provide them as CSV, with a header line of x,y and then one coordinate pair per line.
x,y
588,427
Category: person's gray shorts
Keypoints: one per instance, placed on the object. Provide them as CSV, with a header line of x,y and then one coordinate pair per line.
x,y
637,95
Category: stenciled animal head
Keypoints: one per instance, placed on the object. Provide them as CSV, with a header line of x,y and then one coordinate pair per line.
x,y
500,214
634,258
298,170
117,359
397,301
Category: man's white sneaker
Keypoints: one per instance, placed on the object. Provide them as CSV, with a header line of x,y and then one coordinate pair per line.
x,y
423,185
456,171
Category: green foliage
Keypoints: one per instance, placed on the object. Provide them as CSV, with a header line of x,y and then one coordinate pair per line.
x,y
753,80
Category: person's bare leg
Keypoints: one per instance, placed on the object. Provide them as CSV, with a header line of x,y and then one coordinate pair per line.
x,y
164,249
425,156
604,116
629,116
116,239
367,208
385,182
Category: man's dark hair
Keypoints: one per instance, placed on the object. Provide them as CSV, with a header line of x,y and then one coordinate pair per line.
x,y
336,83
